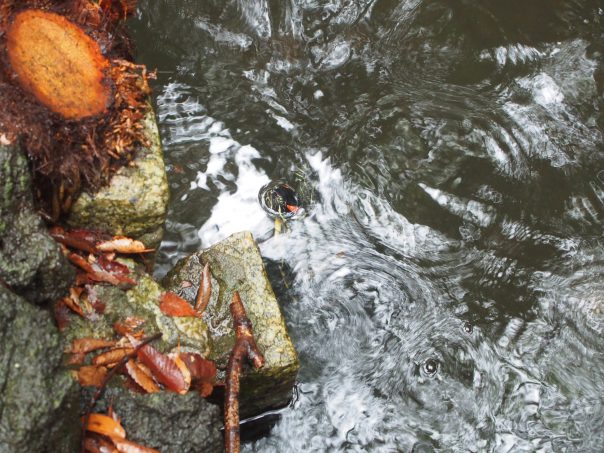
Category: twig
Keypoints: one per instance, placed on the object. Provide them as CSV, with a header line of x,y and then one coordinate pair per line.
x,y
204,293
245,346
97,395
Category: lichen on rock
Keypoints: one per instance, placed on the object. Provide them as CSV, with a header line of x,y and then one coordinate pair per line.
x,y
31,262
39,408
135,202
236,265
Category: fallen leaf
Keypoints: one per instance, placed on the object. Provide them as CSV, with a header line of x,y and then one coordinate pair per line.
x,y
111,357
61,312
122,244
205,389
128,326
96,273
203,372
200,368
90,375
174,305
83,345
204,293
126,446
142,377
163,368
4,140
105,425
182,367
75,359
83,240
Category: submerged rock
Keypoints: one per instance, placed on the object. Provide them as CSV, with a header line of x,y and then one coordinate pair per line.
x,y
135,202
31,262
168,422
39,401
236,265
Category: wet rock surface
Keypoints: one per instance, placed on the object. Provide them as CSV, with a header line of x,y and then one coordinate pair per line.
x,y
168,422
135,202
31,262
141,301
38,399
236,265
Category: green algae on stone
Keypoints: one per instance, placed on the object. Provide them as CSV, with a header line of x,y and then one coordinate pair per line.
x,y
31,262
39,401
141,301
236,265
135,202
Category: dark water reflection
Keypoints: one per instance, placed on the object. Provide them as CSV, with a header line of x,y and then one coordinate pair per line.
x,y
445,290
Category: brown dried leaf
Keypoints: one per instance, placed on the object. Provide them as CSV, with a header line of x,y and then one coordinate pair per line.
x,y
91,375
164,369
105,425
174,305
61,312
122,244
126,446
204,293
75,359
200,368
111,357
84,345
182,367
128,326
141,376
83,240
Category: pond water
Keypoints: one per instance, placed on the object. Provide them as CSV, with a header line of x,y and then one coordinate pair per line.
x,y
445,285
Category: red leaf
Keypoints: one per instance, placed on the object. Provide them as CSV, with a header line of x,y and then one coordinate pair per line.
x,y
200,368
163,368
173,305
96,273
83,240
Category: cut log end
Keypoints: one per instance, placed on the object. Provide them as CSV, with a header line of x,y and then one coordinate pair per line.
x,y
59,64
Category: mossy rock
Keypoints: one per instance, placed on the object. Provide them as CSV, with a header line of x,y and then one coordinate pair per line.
x,y
236,265
141,301
39,401
135,202
31,262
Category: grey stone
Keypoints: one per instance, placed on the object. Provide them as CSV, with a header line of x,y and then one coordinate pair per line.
x,y
31,262
135,202
168,422
236,265
39,401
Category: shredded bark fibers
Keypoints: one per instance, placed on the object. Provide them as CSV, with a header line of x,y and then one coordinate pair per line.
x,y
69,155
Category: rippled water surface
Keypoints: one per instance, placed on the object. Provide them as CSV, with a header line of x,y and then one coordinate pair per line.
x,y
445,289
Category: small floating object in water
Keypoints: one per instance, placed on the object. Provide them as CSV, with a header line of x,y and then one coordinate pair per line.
x,y
279,199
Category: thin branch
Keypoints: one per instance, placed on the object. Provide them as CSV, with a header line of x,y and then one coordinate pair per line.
x,y
245,346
